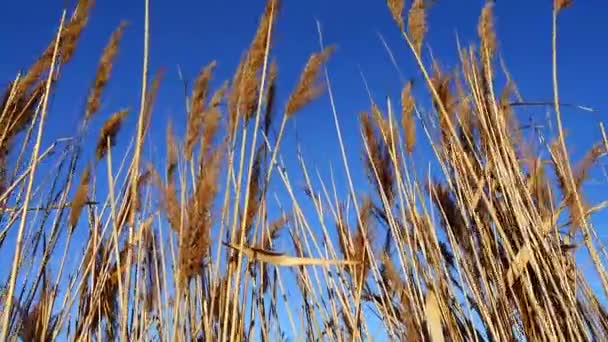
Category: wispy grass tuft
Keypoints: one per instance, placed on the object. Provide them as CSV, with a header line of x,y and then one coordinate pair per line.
x,y
206,243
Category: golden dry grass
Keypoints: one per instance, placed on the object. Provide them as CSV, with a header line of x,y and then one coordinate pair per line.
x,y
186,249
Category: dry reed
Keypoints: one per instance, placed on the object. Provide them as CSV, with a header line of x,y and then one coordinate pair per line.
x,y
308,88
483,246
103,71
107,135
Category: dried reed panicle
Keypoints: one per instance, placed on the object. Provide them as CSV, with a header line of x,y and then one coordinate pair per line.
x,y
363,237
153,270
308,88
194,243
80,198
169,202
387,129
391,276
103,71
233,98
466,120
108,133
119,270
261,39
197,109
416,24
255,189
67,45
74,28
33,75
581,171
245,84
268,238
559,161
270,97
504,101
150,98
172,206
210,130
485,30
377,160
569,194
511,123
537,181
124,215
407,117
206,187
396,7
441,83
343,232
142,180
274,229
211,119
561,4
219,95
171,151
451,217
8,94
18,112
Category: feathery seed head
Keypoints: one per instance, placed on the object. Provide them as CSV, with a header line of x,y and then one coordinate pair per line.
x,y
103,71
171,151
485,30
80,198
245,83
108,133
416,24
197,109
561,4
407,117
396,8
308,88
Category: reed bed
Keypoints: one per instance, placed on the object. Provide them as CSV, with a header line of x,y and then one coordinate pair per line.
x,y
185,248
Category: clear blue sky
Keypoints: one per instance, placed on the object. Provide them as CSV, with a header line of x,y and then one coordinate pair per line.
x,y
191,33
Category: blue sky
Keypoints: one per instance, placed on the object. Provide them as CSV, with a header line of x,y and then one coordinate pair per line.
x,y
191,33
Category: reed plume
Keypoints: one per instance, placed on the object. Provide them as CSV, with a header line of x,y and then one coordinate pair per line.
x,y
108,133
103,71
396,8
307,88
407,117
197,109
80,197
416,24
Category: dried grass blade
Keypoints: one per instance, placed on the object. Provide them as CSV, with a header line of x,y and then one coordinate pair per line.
x,y
280,259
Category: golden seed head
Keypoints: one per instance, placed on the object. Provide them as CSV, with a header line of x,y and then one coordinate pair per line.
x,y
308,87
396,8
561,4
416,24
103,71
108,133
407,117
485,30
